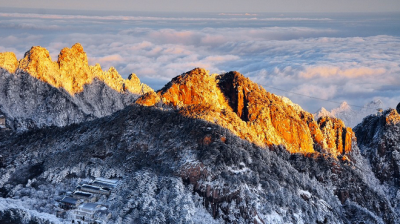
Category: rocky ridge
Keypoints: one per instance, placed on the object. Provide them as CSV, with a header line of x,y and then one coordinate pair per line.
x,y
378,138
36,92
71,71
248,110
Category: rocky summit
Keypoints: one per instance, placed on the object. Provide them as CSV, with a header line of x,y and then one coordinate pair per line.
x,y
79,144
71,71
248,110
36,91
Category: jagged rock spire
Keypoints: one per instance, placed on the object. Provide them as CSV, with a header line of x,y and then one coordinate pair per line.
x,y
71,71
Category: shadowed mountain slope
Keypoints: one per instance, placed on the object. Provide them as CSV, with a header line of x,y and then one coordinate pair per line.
x,y
378,138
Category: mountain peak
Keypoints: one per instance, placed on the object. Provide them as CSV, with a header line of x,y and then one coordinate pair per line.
x,y
348,115
323,113
374,104
235,102
344,104
196,87
323,109
71,71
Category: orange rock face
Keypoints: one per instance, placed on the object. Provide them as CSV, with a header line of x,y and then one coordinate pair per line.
x,y
148,99
393,117
71,71
8,61
240,105
338,137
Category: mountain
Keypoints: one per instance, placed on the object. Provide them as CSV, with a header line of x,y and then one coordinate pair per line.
x,y
350,116
206,148
378,137
173,168
249,111
36,92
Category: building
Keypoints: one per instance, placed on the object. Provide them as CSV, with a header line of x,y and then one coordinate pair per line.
x,y
82,202
95,189
105,183
82,195
86,213
69,203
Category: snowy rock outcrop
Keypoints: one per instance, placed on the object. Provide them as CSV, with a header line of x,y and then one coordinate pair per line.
x,y
379,141
36,92
348,115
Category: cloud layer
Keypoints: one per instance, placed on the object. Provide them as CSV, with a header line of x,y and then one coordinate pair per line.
x,y
309,56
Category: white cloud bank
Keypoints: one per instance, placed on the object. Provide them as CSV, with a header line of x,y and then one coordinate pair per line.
x,y
305,59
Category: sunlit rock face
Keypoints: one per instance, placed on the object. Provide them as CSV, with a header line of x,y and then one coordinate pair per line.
x,y
72,71
338,137
37,92
248,110
8,61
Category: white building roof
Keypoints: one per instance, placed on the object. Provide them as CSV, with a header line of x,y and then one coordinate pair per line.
x,y
90,207
109,181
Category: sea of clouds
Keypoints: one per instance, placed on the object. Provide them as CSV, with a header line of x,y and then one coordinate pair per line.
x,y
338,57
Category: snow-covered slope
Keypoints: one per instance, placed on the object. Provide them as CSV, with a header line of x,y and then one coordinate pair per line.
x,y
29,103
175,169
350,116
379,140
36,92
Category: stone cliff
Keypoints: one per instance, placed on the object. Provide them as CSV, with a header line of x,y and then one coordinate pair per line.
x,y
378,139
249,111
398,108
71,71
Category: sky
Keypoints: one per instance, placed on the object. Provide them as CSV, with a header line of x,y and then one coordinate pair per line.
x,y
315,59
214,5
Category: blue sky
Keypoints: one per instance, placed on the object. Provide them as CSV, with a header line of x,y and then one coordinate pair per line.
x,y
353,57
